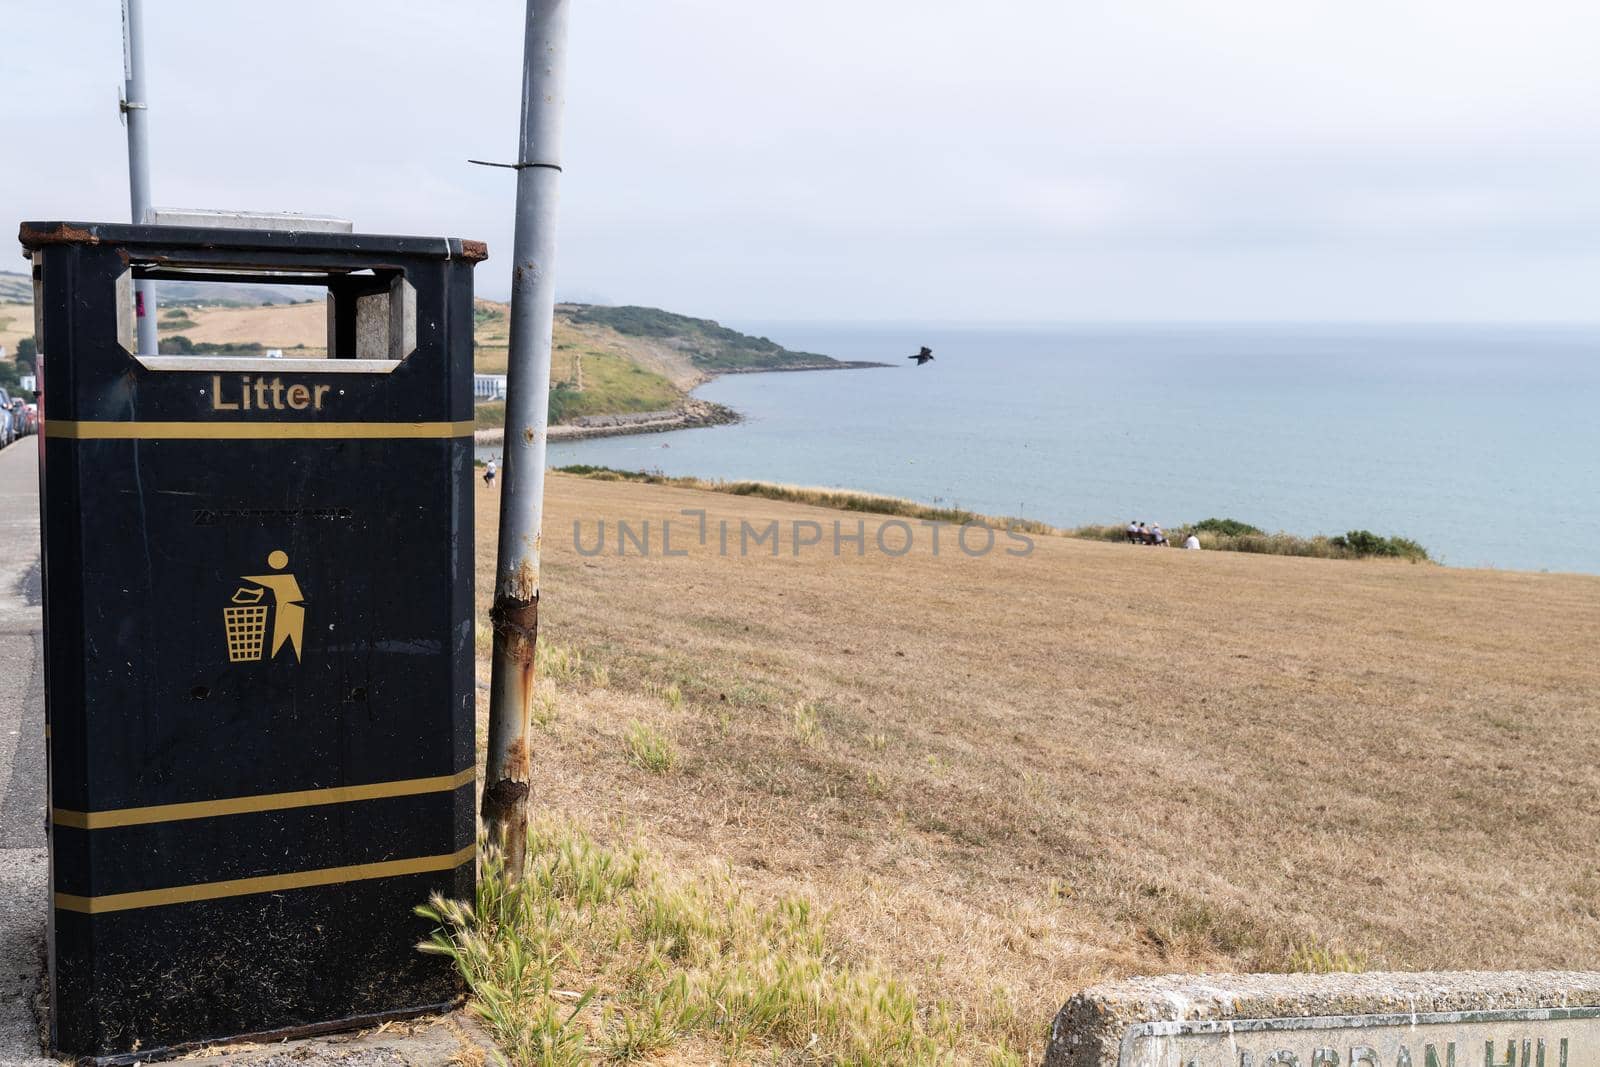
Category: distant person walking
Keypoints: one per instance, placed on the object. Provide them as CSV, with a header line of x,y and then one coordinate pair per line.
x,y
488,474
1192,542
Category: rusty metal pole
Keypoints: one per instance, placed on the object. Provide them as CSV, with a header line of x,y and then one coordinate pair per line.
x,y
515,613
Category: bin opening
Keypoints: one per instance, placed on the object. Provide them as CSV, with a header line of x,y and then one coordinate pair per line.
x,y
368,315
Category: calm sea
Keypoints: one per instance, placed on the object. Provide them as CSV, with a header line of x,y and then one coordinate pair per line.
x,y
1481,442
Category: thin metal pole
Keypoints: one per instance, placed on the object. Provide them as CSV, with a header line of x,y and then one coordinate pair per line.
x,y
516,594
137,112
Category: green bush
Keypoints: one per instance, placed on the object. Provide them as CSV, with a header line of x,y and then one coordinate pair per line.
x,y
563,401
1406,548
1226,527
1364,543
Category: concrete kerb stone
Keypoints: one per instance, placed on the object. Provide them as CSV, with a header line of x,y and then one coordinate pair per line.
x,y
1377,1019
453,1040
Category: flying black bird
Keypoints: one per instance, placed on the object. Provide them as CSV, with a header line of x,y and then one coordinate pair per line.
x,y
925,356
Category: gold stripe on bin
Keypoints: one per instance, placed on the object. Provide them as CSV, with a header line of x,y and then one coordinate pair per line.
x,y
67,429
304,798
269,883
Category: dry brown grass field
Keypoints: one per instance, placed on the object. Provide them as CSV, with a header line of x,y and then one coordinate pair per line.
x,y
274,326
16,322
1005,778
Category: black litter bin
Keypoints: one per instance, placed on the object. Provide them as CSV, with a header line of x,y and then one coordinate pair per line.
x,y
258,638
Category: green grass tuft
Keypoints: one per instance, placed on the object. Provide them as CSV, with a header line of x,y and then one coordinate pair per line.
x,y
1309,957
803,718
597,954
649,748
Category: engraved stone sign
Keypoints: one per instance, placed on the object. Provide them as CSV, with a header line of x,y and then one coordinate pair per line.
x,y
1491,1019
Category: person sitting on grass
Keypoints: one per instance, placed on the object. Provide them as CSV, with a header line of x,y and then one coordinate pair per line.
x,y
1192,542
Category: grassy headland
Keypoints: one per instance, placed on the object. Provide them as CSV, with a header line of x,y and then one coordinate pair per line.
x,y
710,346
993,780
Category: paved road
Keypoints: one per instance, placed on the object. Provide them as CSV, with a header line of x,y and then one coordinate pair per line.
x,y
22,798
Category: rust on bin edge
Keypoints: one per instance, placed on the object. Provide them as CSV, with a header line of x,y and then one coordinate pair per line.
x,y
61,234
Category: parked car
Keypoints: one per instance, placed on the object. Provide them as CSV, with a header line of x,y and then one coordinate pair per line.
x,y
8,419
32,412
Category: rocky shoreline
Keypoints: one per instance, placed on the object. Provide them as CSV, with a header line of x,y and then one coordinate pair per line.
x,y
837,364
693,413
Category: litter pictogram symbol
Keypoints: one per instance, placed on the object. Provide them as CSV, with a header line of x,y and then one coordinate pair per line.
x,y
246,626
245,622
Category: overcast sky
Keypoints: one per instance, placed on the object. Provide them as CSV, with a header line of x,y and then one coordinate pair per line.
x,y
1015,160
